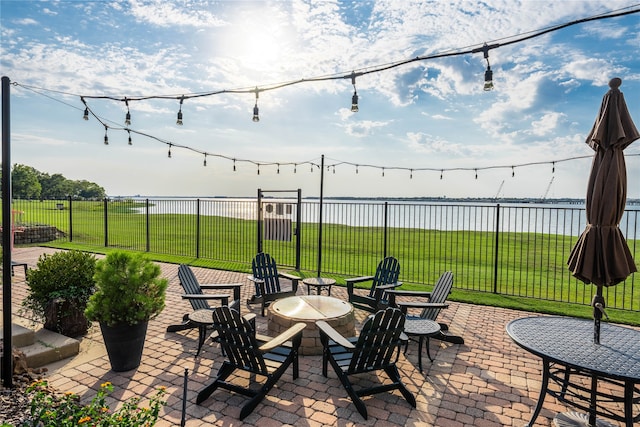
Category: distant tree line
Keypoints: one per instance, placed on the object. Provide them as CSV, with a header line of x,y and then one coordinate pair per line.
x,y
29,183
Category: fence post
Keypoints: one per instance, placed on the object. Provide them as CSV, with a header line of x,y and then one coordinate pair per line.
x,y
298,229
70,220
496,251
106,224
386,228
148,231
198,228
259,211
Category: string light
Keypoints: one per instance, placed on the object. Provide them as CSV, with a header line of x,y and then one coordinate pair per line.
x,y
130,142
127,118
513,172
488,74
278,168
383,172
553,167
106,137
205,160
179,119
256,116
441,173
411,174
354,98
476,170
258,168
85,116
295,167
234,165
169,153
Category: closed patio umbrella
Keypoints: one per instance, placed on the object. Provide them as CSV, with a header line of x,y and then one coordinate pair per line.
x,y
601,255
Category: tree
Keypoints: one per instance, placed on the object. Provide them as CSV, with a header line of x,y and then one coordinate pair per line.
x,y
89,190
29,183
25,183
55,186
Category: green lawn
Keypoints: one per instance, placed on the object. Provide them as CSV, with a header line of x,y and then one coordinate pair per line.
x,y
528,273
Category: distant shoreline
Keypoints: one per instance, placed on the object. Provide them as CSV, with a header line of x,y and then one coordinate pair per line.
x,y
570,201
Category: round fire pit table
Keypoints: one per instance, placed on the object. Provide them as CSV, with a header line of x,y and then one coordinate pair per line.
x,y
286,312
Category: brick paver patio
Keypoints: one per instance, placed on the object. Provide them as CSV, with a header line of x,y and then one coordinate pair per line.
x,y
486,382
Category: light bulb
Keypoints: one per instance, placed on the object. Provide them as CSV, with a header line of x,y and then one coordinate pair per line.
x,y
488,79
354,102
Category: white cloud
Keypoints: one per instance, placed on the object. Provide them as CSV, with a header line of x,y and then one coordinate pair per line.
x,y
547,123
165,14
27,21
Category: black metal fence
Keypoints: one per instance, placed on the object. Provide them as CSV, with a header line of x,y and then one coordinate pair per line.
x,y
518,250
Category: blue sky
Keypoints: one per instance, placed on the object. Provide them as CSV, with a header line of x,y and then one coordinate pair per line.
x,y
426,128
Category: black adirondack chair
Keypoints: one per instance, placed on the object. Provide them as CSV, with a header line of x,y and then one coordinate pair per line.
x,y
194,293
266,279
247,352
385,278
431,304
375,349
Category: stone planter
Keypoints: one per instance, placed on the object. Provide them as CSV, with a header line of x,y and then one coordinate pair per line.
x,y
64,317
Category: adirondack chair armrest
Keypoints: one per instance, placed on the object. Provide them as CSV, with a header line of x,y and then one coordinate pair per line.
x,y
358,279
352,281
289,276
389,286
334,335
405,305
255,279
407,293
393,293
290,334
236,287
294,279
223,297
221,286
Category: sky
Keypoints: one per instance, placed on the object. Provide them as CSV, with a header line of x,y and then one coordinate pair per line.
x,y
425,128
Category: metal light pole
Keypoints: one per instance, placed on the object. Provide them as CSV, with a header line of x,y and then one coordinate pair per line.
x,y
7,355
320,216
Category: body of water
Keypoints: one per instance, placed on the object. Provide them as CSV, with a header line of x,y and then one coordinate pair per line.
x,y
549,218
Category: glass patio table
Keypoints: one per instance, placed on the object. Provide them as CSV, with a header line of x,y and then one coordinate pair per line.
x,y
572,360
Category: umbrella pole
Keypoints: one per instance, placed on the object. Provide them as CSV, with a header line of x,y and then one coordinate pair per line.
x,y
598,310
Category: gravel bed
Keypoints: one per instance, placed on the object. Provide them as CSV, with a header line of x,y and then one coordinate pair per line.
x,y
14,402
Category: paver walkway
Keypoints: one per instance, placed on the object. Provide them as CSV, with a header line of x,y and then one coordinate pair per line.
x,y
488,381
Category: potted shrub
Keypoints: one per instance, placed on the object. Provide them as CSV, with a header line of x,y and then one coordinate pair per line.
x,y
129,293
58,290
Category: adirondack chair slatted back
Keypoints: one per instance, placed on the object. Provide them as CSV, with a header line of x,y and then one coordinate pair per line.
x,y
191,286
238,340
378,341
387,272
439,295
264,267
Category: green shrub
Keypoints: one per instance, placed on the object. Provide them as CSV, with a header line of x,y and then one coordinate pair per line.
x,y
64,275
129,290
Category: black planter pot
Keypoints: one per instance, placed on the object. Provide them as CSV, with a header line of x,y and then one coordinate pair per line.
x,y
124,345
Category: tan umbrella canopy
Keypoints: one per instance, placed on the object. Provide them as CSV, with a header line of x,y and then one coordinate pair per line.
x,y
601,255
